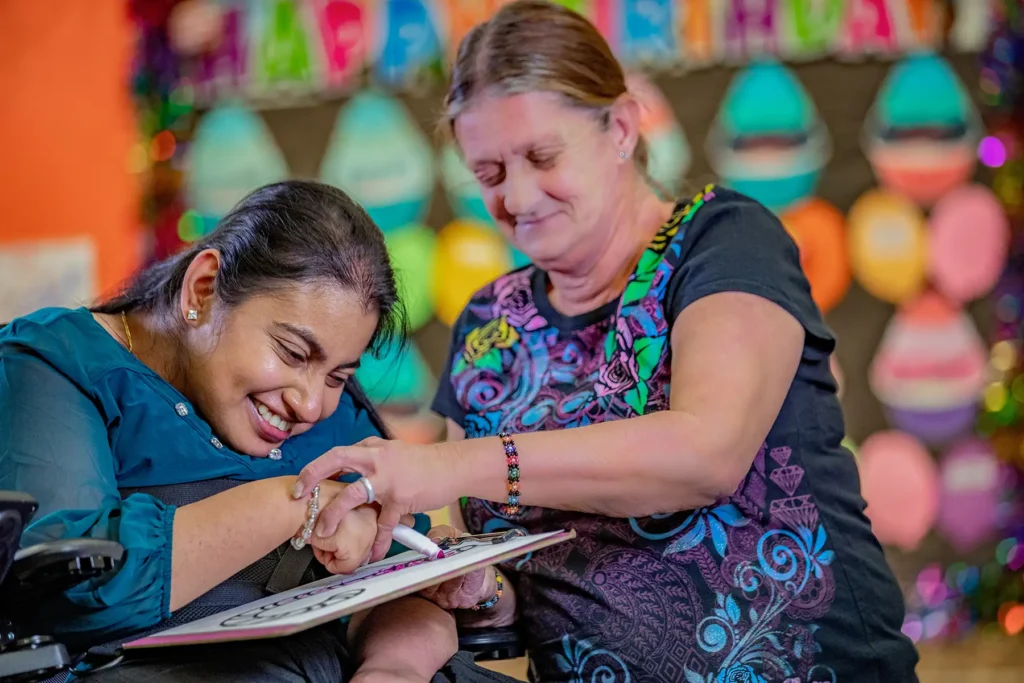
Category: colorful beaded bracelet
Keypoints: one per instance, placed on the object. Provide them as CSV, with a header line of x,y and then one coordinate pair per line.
x,y
487,604
512,461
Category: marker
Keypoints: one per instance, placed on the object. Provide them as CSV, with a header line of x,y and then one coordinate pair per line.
x,y
414,540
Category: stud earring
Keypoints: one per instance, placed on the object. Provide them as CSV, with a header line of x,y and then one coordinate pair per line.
x,y
623,155
193,314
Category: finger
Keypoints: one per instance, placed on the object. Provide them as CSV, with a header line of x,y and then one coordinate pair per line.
x,y
340,459
348,500
386,523
371,441
442,531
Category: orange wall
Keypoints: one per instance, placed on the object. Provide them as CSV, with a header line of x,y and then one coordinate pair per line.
x,y
66,128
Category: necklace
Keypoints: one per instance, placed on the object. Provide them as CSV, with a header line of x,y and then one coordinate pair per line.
x,y
127,331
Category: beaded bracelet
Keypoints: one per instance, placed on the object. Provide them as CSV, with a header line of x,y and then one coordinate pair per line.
x,y
487,604
312,512
512,461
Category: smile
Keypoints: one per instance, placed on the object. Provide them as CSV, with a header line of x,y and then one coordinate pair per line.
x,y
272,418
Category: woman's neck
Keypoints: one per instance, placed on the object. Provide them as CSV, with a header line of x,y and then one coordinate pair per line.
x,y
151,342
634,224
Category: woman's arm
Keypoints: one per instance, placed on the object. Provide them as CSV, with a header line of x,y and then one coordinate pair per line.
x,y
216,537
734,357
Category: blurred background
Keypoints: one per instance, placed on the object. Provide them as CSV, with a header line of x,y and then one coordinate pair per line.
x,y
886,134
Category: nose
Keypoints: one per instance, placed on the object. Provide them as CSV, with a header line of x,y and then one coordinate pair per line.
x,y
520,192
305,401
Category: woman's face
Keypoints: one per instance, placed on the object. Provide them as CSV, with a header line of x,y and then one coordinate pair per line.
x,y
549,173
276,364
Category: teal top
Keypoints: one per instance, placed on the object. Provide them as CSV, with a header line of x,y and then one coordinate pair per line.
x,y
80,418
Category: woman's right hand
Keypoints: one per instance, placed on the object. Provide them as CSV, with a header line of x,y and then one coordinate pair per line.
x,y
348,548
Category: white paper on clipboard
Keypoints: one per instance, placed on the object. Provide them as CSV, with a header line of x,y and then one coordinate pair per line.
x,y
338,596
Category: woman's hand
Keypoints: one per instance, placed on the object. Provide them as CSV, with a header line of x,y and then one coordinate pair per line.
x,y
462,592
348,548
406,479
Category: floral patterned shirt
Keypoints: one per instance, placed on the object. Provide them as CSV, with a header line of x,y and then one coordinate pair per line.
x,y
782,581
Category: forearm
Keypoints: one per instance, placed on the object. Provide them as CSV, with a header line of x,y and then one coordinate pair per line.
x,y
406,634
502,614
216,537
661,462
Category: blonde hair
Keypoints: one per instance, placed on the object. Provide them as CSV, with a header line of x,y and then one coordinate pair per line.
x,y
538,46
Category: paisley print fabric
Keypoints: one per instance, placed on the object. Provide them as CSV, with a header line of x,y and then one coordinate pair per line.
x,y
755,588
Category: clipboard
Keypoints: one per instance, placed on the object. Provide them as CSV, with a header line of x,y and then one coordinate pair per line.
x,y
322,601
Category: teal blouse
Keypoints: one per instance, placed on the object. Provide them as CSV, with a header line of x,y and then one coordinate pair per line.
x,y
81,417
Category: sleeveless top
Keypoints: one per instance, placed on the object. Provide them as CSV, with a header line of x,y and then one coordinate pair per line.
x,y
781,581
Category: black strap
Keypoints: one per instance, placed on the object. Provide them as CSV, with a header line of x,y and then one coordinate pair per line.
x,y
290,569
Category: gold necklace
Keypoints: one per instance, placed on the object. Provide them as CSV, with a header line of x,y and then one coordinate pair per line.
x,y
127,331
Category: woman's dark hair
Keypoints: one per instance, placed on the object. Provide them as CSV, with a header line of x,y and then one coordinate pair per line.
x,y
281,235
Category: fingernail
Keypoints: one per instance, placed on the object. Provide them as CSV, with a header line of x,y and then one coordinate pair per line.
x,y
297,490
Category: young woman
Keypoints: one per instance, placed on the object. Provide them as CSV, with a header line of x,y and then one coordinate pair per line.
x,y
173,419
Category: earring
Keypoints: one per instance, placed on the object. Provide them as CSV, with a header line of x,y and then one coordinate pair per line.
x,y
193,314
623,155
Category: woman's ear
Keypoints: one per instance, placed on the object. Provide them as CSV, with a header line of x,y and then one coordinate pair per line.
x,y
624,125
198,289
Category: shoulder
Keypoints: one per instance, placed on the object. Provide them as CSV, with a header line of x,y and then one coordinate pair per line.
x,y
71,345
724,216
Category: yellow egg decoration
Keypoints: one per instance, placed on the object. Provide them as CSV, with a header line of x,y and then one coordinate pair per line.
x,y
888,245
469,255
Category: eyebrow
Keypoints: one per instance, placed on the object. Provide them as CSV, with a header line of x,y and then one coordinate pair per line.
x,y
316,350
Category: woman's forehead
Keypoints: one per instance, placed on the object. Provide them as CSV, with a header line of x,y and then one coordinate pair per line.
x,y
517,124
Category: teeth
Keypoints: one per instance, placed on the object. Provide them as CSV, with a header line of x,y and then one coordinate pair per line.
x,y
273,418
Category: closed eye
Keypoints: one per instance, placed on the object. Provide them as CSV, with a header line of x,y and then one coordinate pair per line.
x,y
542,161
291,356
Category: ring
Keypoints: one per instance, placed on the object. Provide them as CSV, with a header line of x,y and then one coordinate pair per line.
x,y
370,495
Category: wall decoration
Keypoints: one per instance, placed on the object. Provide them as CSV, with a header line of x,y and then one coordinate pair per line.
x,y
36,275
900,484
887,245
400,376
819,230
232,153
668,150
968,238
972,484
768,141
647,32
410,40
309,49
922,133
930,370
469,255
378,154
412,250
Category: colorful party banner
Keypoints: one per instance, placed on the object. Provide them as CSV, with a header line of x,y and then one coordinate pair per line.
x,y
313,48
410,40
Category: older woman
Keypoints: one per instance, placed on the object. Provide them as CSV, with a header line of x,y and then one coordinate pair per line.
x,y
174,418
657,380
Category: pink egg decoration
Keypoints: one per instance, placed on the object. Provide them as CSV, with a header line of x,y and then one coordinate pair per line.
x,y
900,484
968,241
930,370
970,489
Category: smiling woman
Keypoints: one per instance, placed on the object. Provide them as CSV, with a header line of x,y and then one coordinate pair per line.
x,y
173,418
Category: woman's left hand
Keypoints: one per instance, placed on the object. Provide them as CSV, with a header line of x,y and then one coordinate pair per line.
x,y
462,592
348,548
406,479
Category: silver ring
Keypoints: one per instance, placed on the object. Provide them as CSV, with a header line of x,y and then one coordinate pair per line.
x,y
370,495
